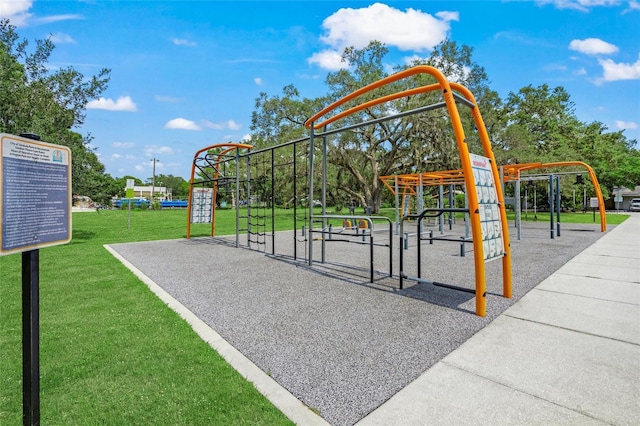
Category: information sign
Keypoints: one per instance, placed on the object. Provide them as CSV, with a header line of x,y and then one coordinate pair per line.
x,y
202,205
617,195
35,194
492,241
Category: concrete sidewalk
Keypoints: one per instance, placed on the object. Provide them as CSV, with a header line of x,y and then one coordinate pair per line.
x,y
567,353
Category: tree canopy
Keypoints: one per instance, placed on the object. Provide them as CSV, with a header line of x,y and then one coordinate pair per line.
x,y
534,124
50,103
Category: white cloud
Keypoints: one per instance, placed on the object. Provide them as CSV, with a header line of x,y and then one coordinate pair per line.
x,y
183,42
233,125
16,11
407,30
124,103
181,124
633,5
328,59
593,46
62,38
258,81
246,138
622,125
448,16
621,71
59,18
151,150
229,124
184,124
123,144
581,5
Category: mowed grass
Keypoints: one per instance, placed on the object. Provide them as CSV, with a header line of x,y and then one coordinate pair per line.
x,y
111,352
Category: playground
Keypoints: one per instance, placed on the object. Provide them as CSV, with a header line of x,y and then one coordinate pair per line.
x,y
336,341
345,310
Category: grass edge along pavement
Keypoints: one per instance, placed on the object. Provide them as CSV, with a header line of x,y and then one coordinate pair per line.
x,y
110,350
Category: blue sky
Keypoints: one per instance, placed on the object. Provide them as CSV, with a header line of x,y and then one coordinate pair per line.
x,y
185,75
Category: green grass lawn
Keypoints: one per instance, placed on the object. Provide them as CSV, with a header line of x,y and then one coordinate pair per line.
x,y
111,352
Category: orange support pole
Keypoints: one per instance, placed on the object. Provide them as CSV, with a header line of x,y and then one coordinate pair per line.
x,y
467,171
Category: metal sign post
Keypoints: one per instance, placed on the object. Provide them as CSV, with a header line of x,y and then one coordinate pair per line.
x,y
129,194
35,196
31,337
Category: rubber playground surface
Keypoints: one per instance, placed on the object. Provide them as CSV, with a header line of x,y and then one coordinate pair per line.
x,y
341,344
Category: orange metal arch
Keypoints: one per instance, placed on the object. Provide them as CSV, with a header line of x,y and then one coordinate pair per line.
x,y
512,172
229,147
447,92
412,180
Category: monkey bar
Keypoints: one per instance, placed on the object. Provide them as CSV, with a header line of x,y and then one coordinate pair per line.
x,y
512,173
412,183
479,173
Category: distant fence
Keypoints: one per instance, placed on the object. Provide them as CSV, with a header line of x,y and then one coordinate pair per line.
x,y
137,202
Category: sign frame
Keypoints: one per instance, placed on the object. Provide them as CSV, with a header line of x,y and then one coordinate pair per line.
x,y
44,169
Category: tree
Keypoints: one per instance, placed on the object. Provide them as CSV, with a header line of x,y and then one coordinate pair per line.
x,y
358,158
280,119
420,142
614,158
547,116
540,125
50,103
176,185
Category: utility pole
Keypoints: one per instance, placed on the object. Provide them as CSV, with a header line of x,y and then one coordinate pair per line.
x,y
153,182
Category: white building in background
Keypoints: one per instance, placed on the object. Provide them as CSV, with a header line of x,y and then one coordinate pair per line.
x,y
160,192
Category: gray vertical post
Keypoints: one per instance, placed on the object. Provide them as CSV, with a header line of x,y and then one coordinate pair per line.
x,y
551,204
273,205
324,191
558,204
395,178
535,202
518,207
441,205
451,206
295,202
310,196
